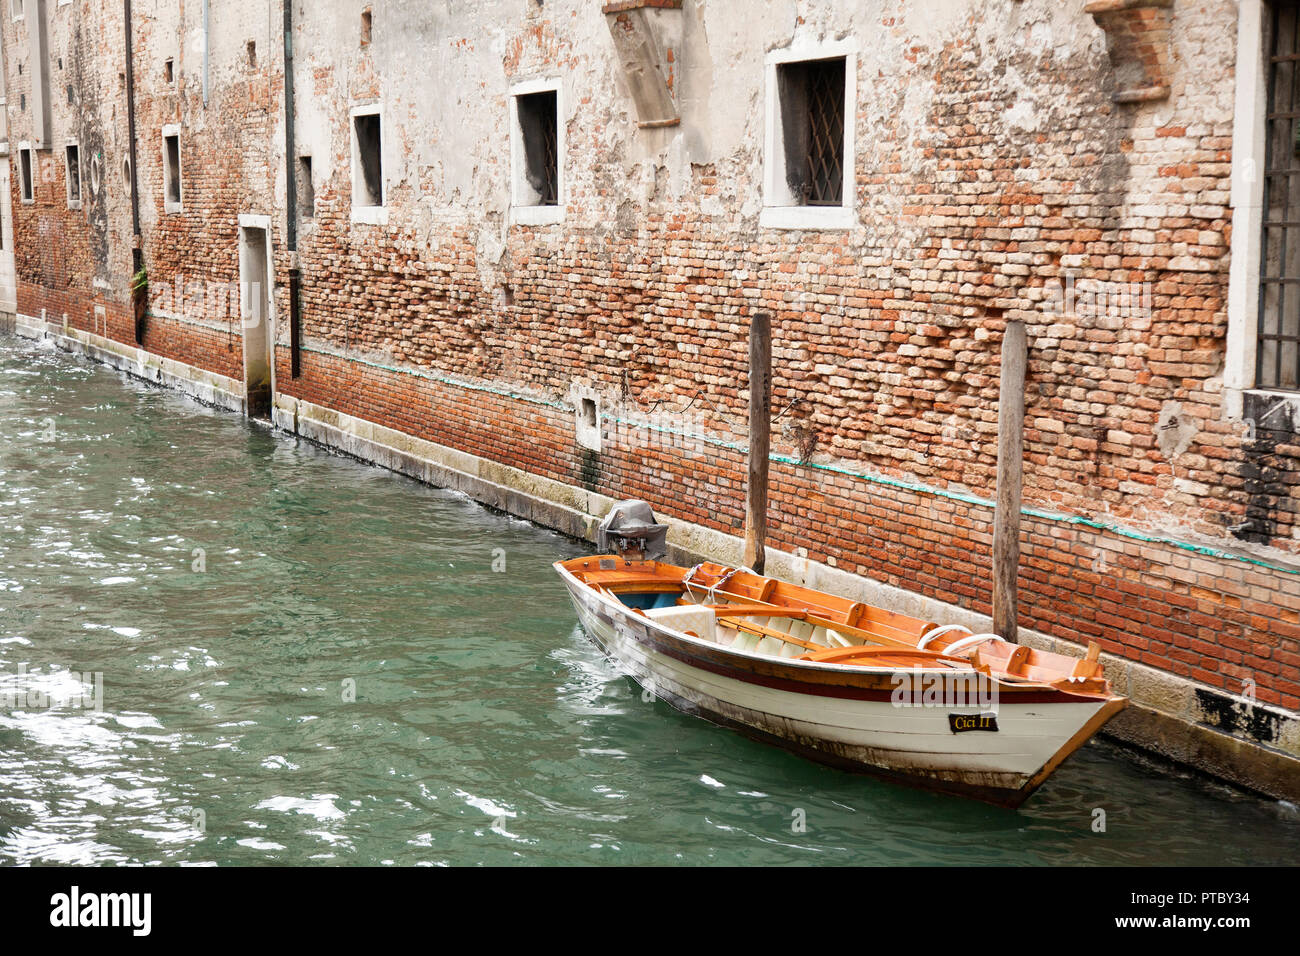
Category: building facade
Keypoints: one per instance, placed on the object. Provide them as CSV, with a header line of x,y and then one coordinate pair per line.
x,y
514,247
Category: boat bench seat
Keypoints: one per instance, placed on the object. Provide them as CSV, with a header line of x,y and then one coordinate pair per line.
x,y
701,620
769,641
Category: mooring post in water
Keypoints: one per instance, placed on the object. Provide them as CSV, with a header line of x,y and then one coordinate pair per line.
x,y
1011,447
760,430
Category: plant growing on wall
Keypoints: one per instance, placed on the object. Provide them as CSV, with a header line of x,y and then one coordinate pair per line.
x,y
140,282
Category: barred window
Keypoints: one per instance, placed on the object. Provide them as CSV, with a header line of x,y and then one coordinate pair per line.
x,y
1277,360
812,119
73,175
539,128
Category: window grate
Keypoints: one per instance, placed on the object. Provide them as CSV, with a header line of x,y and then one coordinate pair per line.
x,y
550,131
825,182
1277,358
539,127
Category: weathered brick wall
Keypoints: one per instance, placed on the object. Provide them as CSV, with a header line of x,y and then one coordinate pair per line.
x,y
993,167
70,260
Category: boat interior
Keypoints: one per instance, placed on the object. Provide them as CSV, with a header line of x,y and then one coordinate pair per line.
x,y
748,613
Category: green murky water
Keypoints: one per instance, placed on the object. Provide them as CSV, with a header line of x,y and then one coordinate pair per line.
x,y
485,728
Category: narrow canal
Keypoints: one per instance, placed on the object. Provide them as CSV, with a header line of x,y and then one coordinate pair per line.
x,y
308,660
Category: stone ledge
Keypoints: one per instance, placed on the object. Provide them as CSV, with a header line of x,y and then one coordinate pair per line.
x,y
210,388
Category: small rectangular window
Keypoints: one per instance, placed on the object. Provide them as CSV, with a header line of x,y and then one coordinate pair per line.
x,y
25,162
539,136
169,71
367,160
74,176
306,189
812,127
172,171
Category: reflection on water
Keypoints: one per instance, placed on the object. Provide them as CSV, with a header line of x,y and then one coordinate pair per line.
x,y
306,659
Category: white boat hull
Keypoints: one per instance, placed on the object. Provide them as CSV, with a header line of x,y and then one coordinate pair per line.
x,y
862,727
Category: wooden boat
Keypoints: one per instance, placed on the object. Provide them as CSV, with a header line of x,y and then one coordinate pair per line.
x,y
840,681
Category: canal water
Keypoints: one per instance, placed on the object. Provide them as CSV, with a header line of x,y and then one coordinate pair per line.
x,y
307,660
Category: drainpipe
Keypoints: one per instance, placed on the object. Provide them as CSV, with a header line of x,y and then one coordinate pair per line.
x,y
206,28
291,194
137,253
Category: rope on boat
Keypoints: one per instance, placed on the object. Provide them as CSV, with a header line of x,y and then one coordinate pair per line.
x,y
931,634
721,582
971,641
687,578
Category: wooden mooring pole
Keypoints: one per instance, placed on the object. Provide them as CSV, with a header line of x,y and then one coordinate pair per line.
x,y
760,434
1011,448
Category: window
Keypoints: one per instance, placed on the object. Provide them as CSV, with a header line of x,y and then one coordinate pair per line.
x,y
367,164
306,189
586,408
1277,343
169,71
73,176
812,121
808,177
26,162
366,23
538,131
172,186
251,52
537,151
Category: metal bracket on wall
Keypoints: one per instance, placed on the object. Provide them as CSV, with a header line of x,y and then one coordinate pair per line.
x,y
648,38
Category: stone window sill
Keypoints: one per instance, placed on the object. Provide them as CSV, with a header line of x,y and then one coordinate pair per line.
x,y
370,215
536,215
807,217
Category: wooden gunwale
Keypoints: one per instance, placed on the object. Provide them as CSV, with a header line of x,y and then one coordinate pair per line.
x,y
637,576
849,682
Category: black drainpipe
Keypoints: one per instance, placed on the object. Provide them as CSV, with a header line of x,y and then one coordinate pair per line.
x,y
139,297
291,192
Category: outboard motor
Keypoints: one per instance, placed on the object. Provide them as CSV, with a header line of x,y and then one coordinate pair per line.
x,y
630,530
